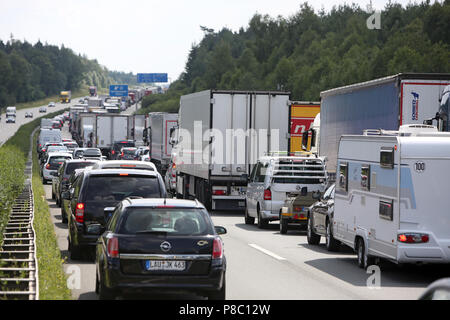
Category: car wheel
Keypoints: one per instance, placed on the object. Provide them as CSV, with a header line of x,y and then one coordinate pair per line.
x,y
63,215
283,226
364,260
104,293
75,251
262,223
218,295
311,237
248,219
331,243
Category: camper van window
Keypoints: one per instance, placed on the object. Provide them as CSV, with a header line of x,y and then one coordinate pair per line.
x,y
365,177
387,158
343,176
386,209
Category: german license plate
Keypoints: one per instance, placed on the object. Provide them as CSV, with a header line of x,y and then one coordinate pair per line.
x,y
169,265
241,203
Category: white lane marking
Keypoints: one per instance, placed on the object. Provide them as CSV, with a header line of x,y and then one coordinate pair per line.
x,y
269,253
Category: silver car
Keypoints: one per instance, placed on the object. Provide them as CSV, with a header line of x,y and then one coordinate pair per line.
x,y
273,178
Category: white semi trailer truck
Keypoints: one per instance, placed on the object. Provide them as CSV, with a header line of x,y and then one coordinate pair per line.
x,y
221,135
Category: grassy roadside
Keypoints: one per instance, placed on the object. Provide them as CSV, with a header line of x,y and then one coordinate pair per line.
x,y
33,104
52,279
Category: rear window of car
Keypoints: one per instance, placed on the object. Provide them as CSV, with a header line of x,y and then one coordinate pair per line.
x,y
71,145
71,167
79,153
56,148
123,145
129,151
53,161
92,153
118,187
173,221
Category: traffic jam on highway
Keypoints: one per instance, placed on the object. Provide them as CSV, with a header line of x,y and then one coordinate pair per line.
x,y
365,170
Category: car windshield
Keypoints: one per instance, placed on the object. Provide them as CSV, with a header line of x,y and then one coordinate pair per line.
x,y
71,167
104,188
173,221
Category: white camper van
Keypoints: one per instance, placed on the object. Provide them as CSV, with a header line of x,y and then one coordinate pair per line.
x,y
391,198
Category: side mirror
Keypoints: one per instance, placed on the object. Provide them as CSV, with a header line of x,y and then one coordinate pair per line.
x,y
66,195
316,195
108,211
220,230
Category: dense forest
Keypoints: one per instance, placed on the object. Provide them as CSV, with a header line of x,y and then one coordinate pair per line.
x,y
31,72
310,51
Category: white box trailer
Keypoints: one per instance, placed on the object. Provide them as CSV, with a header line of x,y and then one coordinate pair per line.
x,y
136,127
108,129
160,125
86,127
46,123
391,195
385,103
221,136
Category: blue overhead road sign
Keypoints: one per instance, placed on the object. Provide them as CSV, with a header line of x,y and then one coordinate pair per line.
x,y
152,77
118,90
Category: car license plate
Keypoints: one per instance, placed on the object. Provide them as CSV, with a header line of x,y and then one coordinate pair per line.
x,y
155,265
241,204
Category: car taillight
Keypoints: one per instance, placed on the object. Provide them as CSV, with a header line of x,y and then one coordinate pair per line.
x,y
413,238
43,150
47,166
113,247
219,192
267,194
113,152
79,212
217,249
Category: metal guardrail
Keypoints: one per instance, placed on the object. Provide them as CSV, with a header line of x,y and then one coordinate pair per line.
x,y
19,278
18,264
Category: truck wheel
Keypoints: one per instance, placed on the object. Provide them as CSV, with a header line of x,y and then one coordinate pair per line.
x,y
310,235
331,243
283,226
248,219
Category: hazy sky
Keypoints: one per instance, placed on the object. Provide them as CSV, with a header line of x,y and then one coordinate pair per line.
x,y
139,35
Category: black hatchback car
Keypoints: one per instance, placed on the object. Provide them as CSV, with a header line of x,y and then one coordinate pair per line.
x,y
117,147
160,245
94,190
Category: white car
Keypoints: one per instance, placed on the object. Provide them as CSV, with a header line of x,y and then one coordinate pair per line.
x,y
10,120
51,166
273,177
